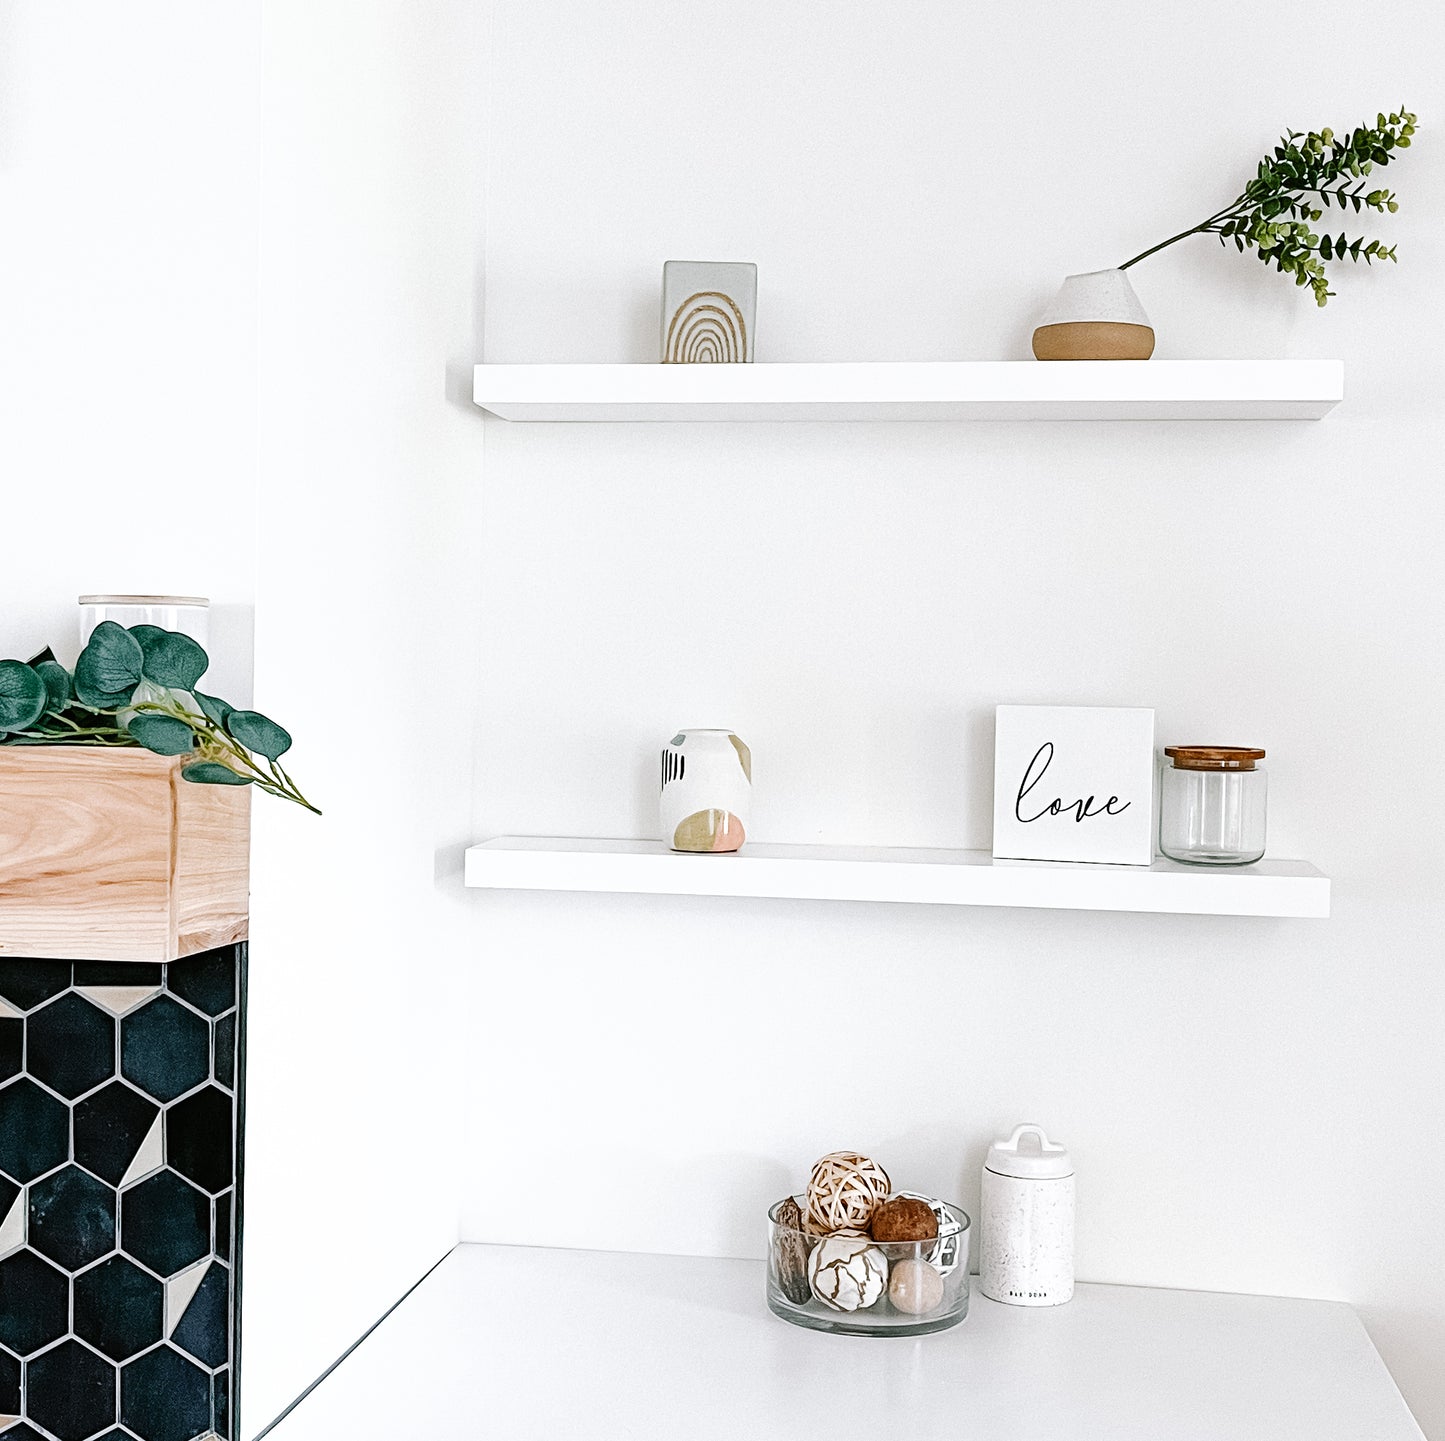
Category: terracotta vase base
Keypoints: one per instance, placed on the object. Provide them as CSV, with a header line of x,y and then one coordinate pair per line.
x,y
1093,340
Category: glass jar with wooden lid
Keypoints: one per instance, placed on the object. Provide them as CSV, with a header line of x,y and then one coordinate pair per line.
x,y
1212,805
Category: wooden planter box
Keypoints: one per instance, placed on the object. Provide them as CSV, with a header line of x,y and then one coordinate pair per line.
x,y
110,855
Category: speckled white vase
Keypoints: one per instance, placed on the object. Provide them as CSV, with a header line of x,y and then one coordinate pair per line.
x,y
1095,316
1026,1216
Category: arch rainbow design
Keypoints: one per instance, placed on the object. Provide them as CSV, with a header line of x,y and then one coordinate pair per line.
x,y
707,327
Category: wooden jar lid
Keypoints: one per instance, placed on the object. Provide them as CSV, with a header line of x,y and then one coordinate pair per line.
x,y
1213,758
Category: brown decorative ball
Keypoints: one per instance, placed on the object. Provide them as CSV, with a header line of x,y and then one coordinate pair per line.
x,y
844,1190
904,1218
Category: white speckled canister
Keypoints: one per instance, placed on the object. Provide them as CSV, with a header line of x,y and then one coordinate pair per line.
x,y
1026,1221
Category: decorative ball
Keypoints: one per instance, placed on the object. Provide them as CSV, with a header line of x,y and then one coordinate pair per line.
x,y
844,1190
790,1252
915,1288
847,1272
950,1250
904,1218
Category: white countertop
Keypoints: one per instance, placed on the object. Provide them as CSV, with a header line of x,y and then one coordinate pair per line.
x,y
525,1344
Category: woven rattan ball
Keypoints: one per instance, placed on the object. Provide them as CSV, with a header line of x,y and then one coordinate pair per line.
x,y
844,1190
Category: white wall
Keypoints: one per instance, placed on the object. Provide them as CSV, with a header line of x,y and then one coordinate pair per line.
x,y
129,152
367,608
1252,1103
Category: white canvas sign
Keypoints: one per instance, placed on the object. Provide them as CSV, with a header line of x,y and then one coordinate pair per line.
x,y
1074,783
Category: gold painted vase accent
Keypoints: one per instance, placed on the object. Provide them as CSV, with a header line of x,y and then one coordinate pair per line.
x,y
1095,317
707,784
708,311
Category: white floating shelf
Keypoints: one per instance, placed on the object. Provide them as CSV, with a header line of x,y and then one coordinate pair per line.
x,y
916,390
865,873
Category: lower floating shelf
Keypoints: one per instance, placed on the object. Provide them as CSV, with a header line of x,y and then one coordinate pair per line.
x,y
890,873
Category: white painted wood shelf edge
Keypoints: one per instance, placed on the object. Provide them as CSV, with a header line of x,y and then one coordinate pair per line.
x,y
894,873
915,390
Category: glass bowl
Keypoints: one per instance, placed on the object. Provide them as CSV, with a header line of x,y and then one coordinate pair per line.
x,y
878,1288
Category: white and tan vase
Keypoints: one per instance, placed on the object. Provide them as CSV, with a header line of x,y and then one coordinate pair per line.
x,y
1095,317
707,783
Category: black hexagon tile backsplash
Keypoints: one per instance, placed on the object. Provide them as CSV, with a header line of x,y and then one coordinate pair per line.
x,y
119,1116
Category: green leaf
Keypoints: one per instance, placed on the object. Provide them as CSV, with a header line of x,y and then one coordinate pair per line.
x,y
109,668
57,684
212,773
1326,247
23,696
163,734
214,708
145,633
172,659
257,733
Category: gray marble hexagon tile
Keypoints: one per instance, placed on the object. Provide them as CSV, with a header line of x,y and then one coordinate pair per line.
x,y
119,1118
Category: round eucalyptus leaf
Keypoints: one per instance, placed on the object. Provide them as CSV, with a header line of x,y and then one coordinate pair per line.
x,y
23,696
163,734
258,733
213,707
57,684
213,773
145,633
109,666
102,699
172,659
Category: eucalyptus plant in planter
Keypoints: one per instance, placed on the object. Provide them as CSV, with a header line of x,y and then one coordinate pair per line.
x,y
138,687
125,801
1098,317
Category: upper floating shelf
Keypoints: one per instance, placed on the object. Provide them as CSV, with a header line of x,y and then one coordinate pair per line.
x,y
887,873
916,390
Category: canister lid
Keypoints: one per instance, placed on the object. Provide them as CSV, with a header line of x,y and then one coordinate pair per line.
x,y
1029,1153
1213,758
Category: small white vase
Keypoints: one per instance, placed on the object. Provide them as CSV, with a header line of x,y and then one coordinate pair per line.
x,y
707,783
1095,316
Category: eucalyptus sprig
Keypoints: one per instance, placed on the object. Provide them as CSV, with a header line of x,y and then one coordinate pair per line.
x,y
137,687
1307,174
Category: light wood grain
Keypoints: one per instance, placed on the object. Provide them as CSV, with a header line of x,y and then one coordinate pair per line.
x,y
110,855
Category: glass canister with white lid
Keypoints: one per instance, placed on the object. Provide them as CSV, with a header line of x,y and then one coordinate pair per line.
x,y
1212,805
